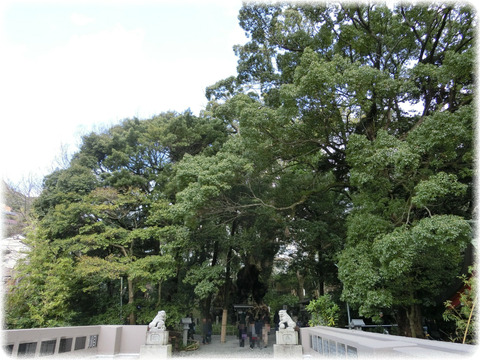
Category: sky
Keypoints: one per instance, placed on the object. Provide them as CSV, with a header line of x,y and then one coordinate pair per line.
x,y
71,67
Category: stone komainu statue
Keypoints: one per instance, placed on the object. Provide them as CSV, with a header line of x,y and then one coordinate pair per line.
x,y
285,320
158,323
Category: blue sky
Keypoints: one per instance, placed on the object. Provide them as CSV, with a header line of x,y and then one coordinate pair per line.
x,y
71,67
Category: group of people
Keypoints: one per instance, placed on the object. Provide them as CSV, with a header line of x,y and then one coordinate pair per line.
x,y
206,329
252,325
255,327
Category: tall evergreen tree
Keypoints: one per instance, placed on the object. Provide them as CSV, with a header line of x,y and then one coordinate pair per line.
x,y
380,98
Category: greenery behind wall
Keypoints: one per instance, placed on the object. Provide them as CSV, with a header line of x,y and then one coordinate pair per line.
x,y
345,139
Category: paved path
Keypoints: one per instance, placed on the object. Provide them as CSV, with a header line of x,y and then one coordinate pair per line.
x,y
230,349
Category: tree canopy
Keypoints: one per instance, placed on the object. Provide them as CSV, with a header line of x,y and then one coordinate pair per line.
x,y
345,140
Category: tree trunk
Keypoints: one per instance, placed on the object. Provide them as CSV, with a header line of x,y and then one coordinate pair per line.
x,y
410,321
301,283
131,300
208,300
321,288
159,300
223,335
226,291
414,316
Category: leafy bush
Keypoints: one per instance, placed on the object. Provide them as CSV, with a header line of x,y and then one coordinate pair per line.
x,y
277,301
464,314
324,311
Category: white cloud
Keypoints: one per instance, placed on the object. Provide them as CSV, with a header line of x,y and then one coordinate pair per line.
x,y
97,78
92,79
73,80
80,19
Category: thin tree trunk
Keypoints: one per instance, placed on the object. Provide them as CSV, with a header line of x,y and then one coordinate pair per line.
x,y
415,321
226,297
208,300
226,290
301,283
469,319
131,300
159,300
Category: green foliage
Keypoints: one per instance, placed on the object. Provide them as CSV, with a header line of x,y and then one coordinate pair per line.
x,y
112,315
464,315
207,279
43,291
323,311
97,270
445,140
437,187
152,269
207,177
277,301
407,231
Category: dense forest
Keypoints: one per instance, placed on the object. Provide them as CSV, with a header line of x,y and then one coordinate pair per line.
x,y
344,143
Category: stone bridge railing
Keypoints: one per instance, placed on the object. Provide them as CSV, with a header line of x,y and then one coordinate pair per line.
x,y
112,340
78,341
342,343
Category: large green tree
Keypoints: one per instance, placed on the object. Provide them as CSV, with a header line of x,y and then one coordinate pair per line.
x,y
380,98
106,216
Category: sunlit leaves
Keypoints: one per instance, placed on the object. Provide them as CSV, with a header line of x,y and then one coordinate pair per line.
x,y
43,290
206,279
203,179
408,263
437,187
446,140
404,245
324,311
152,269
96,270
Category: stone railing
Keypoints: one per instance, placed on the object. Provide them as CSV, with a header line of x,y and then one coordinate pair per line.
x,y
111,340
334,342
105,340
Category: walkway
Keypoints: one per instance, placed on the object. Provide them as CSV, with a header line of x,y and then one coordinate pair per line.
x,y
230,349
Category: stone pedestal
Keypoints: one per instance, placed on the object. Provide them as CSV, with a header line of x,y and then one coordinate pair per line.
x,y
287,351
287,337
287,344
156,351
156,345
157,337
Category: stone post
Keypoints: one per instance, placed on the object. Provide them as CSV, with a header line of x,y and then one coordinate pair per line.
x,y
156,342
286,338
223,331
186,327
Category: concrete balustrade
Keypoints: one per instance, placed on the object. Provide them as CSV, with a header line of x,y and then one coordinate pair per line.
x,y
118,340
105,340
323,341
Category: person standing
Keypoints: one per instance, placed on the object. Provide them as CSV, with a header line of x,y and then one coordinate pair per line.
x,y
266,328
253,335
258,331
191,330
207,331
242,330
210,330
276,320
